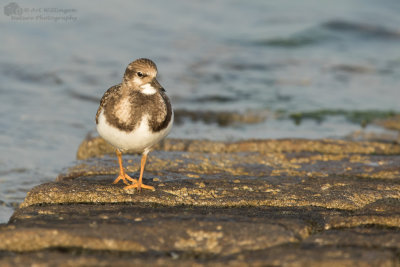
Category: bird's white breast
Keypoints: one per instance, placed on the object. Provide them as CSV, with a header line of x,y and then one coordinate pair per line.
x,y
141,139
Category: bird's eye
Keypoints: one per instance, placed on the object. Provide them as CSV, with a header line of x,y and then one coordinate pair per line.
x,y
139,74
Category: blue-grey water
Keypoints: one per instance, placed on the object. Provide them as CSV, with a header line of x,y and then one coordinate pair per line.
x,y
269,58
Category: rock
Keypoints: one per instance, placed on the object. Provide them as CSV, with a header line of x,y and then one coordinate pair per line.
x,y
222,118
392,123
387,136
97,146
261,202
147,228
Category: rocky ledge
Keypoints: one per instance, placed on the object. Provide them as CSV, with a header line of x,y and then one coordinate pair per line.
x,y
255,202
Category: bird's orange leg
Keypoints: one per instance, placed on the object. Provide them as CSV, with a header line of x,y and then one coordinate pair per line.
x,y
122,175
139,185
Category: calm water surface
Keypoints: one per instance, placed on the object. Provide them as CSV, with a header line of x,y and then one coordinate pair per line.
x,y
266,58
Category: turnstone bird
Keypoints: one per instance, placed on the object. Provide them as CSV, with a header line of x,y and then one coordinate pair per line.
x,y
135,115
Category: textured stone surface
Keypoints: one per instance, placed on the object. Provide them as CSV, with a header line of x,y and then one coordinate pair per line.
x,y
222,191
272,202
146,228
96,146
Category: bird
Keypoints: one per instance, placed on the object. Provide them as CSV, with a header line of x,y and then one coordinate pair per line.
x,y
135,115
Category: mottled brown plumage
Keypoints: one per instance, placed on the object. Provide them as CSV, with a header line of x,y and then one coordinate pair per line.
x,y
135,115
112,91
156,106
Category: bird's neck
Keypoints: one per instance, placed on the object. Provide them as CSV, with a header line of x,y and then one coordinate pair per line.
x,y
125,89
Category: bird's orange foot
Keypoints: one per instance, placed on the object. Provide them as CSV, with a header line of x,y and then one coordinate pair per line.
x,y
124,177
139,186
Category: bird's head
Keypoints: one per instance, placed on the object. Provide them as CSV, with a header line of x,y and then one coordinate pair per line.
x,y
141,75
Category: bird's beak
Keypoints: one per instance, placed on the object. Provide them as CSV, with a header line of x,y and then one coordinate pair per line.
x,y
157,85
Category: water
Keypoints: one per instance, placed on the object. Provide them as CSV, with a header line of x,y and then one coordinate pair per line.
x,y
269,58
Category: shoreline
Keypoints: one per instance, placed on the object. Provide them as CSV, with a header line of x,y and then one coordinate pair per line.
x,y
249,202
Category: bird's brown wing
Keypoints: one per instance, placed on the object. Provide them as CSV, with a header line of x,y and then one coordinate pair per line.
x,y
111,91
